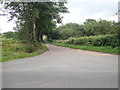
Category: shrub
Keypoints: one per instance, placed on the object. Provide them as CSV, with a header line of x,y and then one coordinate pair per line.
x,y
100,40
29,48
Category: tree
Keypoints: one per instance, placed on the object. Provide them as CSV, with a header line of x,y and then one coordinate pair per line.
x,y
88,21
90,28
9,34
69,30
101,27
36,18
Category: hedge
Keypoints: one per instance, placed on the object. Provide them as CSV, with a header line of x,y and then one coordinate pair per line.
x,y
100,40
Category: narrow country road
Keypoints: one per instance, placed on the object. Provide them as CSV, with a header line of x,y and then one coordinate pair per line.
x,y
62,67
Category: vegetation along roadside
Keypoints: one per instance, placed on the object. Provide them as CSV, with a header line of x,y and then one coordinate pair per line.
x,y
13,49
100,43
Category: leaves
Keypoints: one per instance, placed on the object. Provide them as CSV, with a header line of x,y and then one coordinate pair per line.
x,y
35,18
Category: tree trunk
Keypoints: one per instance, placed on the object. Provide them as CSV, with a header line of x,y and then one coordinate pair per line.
x,y
41,37
34,32
26,27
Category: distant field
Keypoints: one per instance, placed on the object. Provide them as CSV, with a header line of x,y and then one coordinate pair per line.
x,y
13,49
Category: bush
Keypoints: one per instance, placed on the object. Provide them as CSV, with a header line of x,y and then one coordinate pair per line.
x,y
29,49
100,40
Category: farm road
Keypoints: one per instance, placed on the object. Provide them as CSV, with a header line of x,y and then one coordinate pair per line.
x,y
61,67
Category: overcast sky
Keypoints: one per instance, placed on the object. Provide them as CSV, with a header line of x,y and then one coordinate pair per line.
x,y
80,10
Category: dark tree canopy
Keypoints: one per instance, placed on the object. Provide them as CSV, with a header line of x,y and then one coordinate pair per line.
x,y
90,28
34,19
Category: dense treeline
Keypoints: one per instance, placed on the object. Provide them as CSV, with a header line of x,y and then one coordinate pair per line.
x,y
9,34
34,19
90,28
94,35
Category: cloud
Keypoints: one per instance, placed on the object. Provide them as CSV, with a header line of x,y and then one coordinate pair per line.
x,y
73,15
93,1
76,16
80,10
113,18
6,26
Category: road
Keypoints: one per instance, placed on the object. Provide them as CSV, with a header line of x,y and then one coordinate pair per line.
x,y
62,67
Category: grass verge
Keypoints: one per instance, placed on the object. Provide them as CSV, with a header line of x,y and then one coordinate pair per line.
x,y
106,49
12,50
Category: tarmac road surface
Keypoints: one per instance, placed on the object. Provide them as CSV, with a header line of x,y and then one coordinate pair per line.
x,y
61,67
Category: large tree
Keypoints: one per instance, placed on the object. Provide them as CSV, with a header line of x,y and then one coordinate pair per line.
x,y
36,18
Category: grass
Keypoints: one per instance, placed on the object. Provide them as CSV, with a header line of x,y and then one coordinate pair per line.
x,y
105,49
13,49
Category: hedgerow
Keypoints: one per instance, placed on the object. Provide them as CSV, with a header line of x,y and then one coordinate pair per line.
x,y
100,40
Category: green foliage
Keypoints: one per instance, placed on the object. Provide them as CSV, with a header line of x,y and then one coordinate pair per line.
x,y
106,49
35,19
90,28
13,49
100,40
101,27
28,48
88,21
9,34
68,30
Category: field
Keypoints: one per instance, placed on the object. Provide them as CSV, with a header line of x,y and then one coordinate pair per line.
x,y
13,49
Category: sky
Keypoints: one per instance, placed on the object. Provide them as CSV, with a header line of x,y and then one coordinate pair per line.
x,y
79,11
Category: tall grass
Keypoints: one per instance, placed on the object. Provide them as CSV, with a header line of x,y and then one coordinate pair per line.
x,y
105,49
13,49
